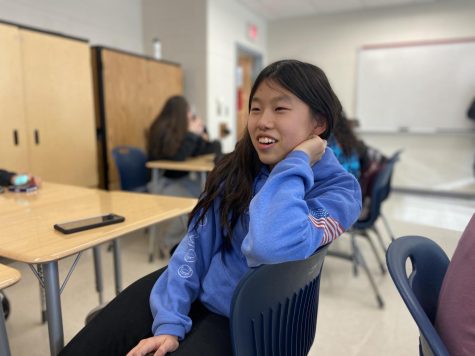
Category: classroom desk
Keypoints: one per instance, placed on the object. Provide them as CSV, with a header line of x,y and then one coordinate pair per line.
x,y
8,277
27,234
200,164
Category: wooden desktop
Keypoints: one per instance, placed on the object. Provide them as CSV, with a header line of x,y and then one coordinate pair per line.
x,y
200,164
27,234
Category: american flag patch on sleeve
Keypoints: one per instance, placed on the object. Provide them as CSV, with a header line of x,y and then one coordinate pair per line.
x,y
322,220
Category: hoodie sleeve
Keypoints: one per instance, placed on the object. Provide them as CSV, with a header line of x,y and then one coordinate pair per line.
x,y
178,287
300,208
5,177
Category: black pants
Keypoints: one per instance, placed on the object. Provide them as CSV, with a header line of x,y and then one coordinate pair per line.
x,y
127,319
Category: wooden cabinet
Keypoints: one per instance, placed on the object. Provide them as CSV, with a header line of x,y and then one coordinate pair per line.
x,y
47,107
13,131
130,92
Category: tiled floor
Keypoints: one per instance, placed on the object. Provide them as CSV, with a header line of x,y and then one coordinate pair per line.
x,y
349,321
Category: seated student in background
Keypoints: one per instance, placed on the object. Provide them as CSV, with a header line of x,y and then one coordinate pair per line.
x,y
455,319
347,147
277,197
177,134
11,178
361,160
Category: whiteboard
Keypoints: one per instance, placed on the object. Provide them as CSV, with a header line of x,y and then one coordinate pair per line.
x,y
416,87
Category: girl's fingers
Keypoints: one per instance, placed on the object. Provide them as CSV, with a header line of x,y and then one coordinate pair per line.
x,y
167,346
145,346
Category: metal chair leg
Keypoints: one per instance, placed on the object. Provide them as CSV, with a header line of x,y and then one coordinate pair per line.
x,y
382,267
380,238
157,233
388,228
354,261
360,259
356,258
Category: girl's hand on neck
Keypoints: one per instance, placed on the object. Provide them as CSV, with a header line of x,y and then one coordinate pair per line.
x,y
314,147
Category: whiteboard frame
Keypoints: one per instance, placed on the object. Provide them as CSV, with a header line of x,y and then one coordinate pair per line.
x,y
391,124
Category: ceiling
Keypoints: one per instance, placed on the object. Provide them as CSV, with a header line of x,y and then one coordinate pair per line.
x,y
278,9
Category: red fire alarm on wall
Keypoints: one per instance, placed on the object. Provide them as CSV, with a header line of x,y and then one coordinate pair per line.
x,y
252,31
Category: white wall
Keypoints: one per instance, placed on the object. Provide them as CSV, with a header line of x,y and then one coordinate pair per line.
x,y
112,23
332,42
202,36
181,27
227,27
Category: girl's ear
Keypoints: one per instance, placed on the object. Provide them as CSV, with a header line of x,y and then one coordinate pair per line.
x,y
320,127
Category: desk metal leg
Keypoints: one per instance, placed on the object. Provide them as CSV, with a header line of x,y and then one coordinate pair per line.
x,y
155,179
153,230
53,307
117,266
42,295
152,238
4,348
96,252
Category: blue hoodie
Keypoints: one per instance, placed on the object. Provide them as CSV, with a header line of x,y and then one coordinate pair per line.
x,y
295,209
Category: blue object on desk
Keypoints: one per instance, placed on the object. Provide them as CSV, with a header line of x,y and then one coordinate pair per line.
x,y
21,179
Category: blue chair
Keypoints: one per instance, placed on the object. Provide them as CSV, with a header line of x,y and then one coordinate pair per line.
x,y
387,192
380,191
134,177
420,291
130,162
274,308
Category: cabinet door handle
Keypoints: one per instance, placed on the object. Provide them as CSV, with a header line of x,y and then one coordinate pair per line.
x,y
37,136
16,141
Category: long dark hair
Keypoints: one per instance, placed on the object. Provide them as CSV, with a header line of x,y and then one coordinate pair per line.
x,y
168,130
346,137
232,178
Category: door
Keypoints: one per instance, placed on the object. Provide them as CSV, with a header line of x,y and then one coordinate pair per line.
x,y
248,66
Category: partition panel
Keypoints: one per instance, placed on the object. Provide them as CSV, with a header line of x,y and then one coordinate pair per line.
x,y
131,90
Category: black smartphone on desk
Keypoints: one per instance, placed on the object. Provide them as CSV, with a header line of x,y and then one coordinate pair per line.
x,y
88,223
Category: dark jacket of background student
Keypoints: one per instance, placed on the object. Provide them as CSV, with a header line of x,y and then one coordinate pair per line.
x,y
6,177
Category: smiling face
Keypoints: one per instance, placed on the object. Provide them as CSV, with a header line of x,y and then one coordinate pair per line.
x,y
278,122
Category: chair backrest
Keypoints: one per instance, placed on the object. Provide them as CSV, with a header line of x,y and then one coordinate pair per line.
x,y
274,308
392,160
130,162
420,290
371,161
380,190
